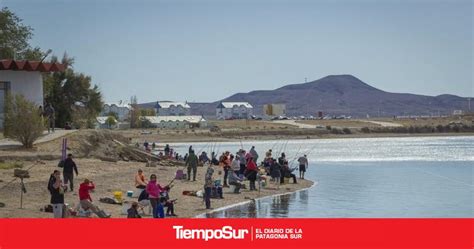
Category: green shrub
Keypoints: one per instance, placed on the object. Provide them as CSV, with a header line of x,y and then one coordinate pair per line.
x,y
22,121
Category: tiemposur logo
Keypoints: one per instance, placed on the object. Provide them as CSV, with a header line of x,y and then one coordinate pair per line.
x,y
226,232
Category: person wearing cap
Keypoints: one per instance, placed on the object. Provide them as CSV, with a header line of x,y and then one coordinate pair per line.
x,y
303,161
69,168
140,181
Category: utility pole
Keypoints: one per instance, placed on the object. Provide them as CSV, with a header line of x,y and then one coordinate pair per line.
x,y
305,79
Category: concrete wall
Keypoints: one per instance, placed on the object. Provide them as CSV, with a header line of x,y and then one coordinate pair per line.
x,y
29,84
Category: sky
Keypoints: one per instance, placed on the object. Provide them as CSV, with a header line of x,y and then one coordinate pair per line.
x,y
204,51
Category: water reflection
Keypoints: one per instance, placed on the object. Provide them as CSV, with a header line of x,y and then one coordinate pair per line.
x,y
272,207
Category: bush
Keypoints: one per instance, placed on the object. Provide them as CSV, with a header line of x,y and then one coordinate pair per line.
x,y
22,121
440,128
346,131
328,127
365,130
336,131
111,121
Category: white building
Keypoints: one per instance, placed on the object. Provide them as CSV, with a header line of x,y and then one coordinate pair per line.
x,y
122,109
274,110
169,108
23,78
234,110
177,122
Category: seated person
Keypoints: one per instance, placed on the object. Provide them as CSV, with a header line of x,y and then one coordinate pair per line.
x,y
140,181
216,191
286,173
86,200
132,212
144,201
160,208
169,204
235,180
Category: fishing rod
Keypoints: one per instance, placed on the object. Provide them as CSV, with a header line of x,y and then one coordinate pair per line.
x,y
296,156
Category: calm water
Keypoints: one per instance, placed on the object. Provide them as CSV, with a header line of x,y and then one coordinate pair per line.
x,y
370,177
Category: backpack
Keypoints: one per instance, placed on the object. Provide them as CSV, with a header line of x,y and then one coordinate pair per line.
x,y
61,163
179,174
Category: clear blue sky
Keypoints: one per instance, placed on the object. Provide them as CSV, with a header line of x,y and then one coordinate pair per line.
x,y
208,50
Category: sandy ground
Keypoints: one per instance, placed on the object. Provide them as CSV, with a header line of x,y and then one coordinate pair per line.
x,y
110,177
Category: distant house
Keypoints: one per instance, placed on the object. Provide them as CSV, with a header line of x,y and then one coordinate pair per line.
x,y
122,110
24,78
274,110
169,108
234,110
177,122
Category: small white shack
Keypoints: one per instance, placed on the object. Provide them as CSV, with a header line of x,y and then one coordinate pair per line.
x,y
234,110
24,78
177,122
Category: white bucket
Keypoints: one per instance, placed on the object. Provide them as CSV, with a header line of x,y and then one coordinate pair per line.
x,y
232,188
125,206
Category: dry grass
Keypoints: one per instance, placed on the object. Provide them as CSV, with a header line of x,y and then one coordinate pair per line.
x,y
11,165
249,124
352,123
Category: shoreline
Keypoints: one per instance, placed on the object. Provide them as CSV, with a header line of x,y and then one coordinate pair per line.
x,y
202,215
110,177
204,139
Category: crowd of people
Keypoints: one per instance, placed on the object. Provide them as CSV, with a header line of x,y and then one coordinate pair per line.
x,y
236,169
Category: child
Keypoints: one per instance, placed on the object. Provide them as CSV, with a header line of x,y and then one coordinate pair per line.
x,y
133,211
160,208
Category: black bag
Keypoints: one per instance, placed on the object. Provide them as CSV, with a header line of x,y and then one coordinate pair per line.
x,y
61,163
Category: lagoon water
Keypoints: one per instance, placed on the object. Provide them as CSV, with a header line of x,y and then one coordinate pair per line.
x,y
368,177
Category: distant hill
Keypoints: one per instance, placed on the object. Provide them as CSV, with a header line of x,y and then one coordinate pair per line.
x,y
341,95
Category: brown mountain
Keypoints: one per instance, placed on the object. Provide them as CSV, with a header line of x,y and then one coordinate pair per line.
x,y
342,95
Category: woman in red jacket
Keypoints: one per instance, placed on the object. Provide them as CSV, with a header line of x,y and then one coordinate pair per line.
x,y
251,172
86,200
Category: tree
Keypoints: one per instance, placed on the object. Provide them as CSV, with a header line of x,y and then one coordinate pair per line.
x,y
14,38
134,113
147,112
69,91
23,121
110,121
113,114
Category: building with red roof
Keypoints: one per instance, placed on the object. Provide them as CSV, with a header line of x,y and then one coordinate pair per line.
x,y
24,78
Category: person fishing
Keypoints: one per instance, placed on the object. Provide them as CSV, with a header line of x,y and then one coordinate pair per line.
x,y
154,193
208,184
254,154
86,201
251,173
191,163
56,188
303,161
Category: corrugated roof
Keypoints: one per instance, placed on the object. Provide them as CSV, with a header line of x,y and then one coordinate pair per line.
x,y
189,119
119,104
232,104
26,65
168,104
